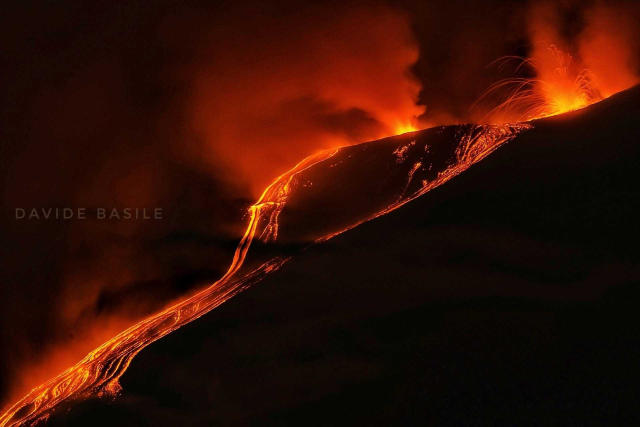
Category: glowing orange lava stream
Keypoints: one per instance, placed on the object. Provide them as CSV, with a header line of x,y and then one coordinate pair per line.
x,y
474,146
99,372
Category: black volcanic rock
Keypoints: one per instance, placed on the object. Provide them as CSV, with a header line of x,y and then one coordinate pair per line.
x,y
508,296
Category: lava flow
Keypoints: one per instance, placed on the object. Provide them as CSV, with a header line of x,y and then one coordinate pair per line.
x,y
99,372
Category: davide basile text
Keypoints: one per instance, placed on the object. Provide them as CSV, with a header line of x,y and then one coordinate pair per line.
x,y
100,213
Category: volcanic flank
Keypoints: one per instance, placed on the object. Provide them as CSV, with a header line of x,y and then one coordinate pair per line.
x,y
410,167
484,301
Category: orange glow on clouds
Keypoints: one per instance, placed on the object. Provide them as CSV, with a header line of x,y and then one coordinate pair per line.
x,y
318,82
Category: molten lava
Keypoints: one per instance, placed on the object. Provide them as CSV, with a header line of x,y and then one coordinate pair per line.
x,y
99,372
404,127
559,87
567,74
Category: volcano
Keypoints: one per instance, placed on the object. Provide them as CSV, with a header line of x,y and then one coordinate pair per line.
x,y
451,276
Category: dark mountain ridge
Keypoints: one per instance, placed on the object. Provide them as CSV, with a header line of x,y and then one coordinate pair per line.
x,y
506,296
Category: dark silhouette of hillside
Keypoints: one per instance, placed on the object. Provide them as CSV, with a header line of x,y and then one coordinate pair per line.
x,y
507,296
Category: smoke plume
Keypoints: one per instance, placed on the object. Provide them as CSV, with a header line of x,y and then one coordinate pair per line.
x,y
283,86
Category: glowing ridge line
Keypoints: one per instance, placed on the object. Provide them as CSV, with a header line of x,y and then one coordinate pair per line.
x,y
98,372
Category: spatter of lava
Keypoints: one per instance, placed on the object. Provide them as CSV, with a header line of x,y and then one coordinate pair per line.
x,y
401,168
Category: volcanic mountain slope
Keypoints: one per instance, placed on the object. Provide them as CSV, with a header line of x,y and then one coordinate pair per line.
x,y
388,173
505,296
